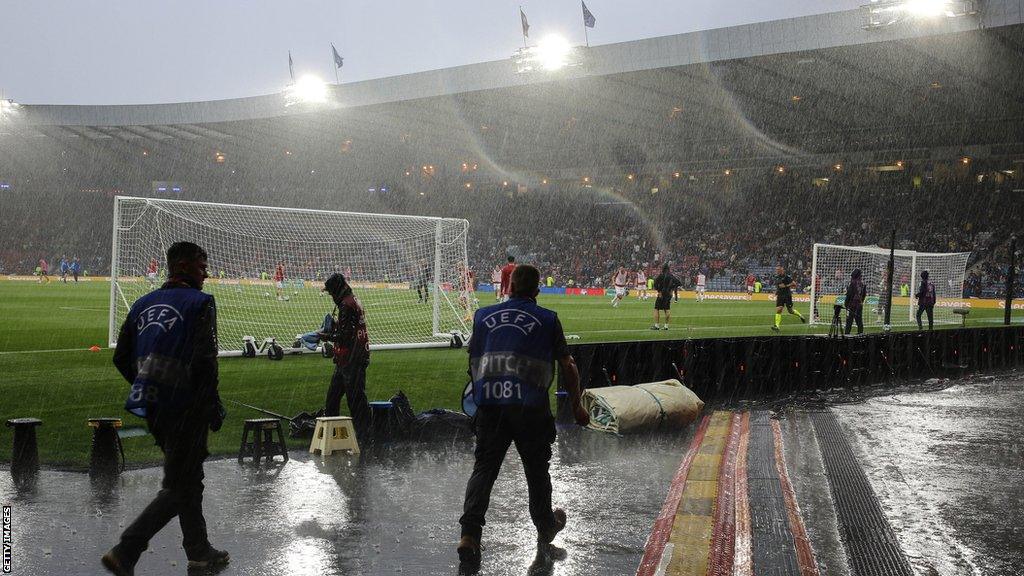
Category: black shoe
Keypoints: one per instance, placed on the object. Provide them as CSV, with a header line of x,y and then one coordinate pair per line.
x,y
116,564
212,557
803,320
775,328
469,550
547,536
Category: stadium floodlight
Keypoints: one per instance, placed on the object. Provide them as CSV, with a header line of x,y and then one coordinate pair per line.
x,y
8,108
882,13
551,54
308,89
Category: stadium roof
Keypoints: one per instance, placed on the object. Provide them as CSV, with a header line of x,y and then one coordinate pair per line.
x,y
814,89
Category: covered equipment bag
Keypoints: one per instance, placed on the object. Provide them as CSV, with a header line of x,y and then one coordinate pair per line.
x,y
655,405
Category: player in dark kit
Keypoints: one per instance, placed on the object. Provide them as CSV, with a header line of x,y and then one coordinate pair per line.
x,y
665,284
856,293
351,357
420,283
925,301
784,285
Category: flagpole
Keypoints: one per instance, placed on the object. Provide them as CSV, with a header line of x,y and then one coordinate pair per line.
x,y
524,29
337,78
585,35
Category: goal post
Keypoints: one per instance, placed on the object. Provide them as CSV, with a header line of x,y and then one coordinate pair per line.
x,y
831,266
407,271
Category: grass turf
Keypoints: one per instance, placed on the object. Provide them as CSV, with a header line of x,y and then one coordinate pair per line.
x,y
46,370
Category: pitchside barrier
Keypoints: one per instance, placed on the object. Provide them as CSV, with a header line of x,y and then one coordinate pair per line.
x,y
726,369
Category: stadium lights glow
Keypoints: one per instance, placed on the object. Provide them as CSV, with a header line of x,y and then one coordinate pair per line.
x,y
8,107
551,54
728,172
888,12
308,89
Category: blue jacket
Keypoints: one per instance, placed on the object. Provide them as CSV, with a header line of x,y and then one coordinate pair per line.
x,y
512,353
167,351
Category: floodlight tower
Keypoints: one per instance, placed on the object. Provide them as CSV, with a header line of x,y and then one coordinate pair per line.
x,y
551,54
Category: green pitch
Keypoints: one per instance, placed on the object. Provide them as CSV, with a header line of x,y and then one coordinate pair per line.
x,y
46,370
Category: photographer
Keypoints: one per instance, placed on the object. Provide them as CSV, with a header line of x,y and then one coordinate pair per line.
x,y
856,292
351,356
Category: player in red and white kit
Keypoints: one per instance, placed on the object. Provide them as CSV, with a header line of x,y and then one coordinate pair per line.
x,y
621,282
702,282
467,294
279,281
641,284
496,282
151,272
506,278
750,286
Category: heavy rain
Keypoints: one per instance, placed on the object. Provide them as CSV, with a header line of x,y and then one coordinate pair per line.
x,y
282,287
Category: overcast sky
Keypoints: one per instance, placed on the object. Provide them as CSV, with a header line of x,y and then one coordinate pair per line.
x,y
147,51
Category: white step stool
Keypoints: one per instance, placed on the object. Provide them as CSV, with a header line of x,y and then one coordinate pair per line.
x,y
334,433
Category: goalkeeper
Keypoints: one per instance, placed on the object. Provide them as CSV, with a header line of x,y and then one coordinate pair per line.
x,y
351,356
784,285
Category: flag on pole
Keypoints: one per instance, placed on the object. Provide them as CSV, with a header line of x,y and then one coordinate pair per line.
x,y
526,25
588,16
338,60
291,66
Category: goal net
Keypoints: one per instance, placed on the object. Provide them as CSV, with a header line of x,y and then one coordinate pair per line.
x,y
831,267
407,271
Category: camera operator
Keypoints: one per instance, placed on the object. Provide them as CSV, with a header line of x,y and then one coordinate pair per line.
x,y
351,356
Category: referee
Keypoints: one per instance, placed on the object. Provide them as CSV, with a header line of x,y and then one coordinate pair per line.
x,y
665,284
784,285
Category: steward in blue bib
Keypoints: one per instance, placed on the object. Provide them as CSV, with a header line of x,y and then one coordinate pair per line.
x,y
512,353
167,351
168,339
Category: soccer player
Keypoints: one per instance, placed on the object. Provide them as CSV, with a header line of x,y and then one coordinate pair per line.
x,y
641,284
467,290
925,300
43,269
151,272
496,282
620,281
76,268
856,293
702,281
506,278
784,297
279,280
420,283
750,286
665,284
65,267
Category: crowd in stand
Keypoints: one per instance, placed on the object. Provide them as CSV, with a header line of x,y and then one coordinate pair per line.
x,y
727,226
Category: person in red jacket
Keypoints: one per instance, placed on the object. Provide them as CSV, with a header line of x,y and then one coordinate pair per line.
x,y
351,356
506,278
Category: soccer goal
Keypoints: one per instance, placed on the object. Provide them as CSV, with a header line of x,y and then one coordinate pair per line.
x,y
831,267
405,270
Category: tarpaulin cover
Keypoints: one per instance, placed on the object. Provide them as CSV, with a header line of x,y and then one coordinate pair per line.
x,y
666,405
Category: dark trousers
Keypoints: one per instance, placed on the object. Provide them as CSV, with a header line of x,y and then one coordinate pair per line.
x,y
422,294
533,431
855,315
350,381
930,310
183,442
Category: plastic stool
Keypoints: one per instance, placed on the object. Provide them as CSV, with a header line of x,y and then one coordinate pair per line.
x,y
25,455
106,446
334,433
263,443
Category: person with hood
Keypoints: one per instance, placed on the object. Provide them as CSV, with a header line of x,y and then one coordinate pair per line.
x,y
351,356
856,293
925,300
